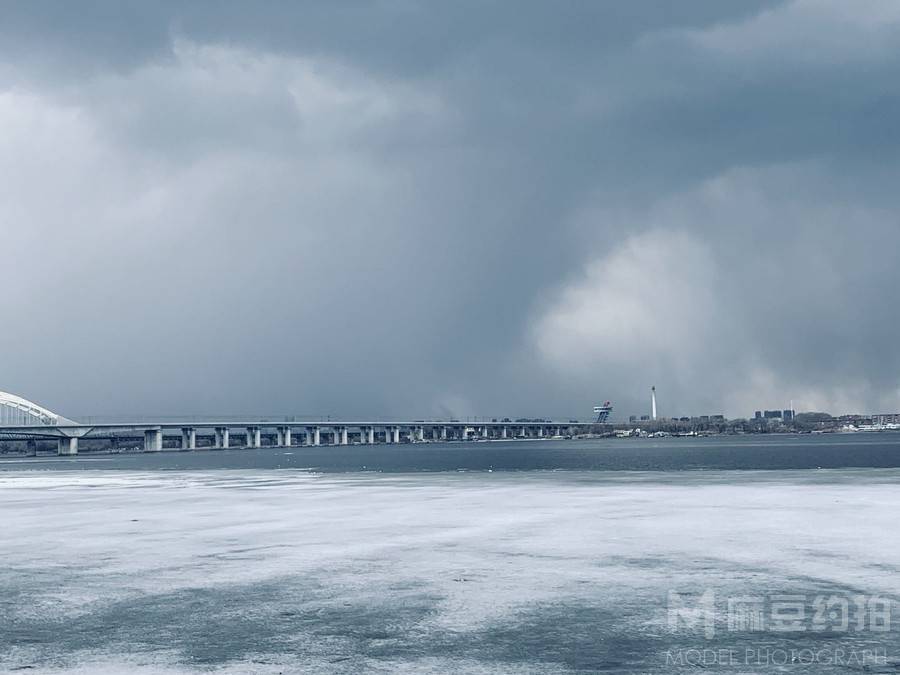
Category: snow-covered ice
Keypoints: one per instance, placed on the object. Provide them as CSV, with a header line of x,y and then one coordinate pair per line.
x,y
289,571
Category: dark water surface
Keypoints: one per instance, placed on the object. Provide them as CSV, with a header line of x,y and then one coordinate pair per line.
x,y
826,451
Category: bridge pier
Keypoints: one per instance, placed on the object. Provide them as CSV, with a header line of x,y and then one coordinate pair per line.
x,y
283,436
188,438
222,438
485,431
254,437
503,432
540,431
67,446
443,433
153,440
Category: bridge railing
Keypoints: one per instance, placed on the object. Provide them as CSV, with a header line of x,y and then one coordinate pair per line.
x,y
313,419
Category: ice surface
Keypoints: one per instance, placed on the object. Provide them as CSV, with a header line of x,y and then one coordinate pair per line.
x,y
288,571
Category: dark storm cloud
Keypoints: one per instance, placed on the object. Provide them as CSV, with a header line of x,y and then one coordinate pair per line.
x,y
449,208
398,36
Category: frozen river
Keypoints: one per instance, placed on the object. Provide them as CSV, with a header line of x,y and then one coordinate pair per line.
x,y
283,571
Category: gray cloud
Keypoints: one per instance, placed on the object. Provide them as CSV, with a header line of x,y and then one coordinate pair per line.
x,y
409,209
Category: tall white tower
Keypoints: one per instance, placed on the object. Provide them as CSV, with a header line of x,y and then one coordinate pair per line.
x,y
653,403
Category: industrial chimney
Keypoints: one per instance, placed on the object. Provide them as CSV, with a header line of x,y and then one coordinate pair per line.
x,y
653,403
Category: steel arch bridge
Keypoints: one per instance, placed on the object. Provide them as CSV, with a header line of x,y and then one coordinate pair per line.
x,y
17,411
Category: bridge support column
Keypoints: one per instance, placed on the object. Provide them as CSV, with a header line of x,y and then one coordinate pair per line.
x,y
284,436
387,434
370,435
317,436
540,431
486,431
396,434
188,438
307,436
503,432
222,437
67,446
420,434
153,440
443,433
463,433
253,437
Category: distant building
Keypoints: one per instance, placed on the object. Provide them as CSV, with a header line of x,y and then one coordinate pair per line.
x,y
787,415
717,418
772,414
632,418
890,418
757,415
645,418
855,419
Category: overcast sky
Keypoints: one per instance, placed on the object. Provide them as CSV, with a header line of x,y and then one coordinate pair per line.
x,y
450,208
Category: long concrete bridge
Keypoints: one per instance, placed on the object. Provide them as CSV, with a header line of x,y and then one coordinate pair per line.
x,y
23,420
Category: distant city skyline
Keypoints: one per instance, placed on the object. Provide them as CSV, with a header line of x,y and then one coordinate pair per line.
x,y
447,209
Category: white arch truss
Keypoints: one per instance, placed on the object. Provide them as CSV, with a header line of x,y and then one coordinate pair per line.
x,y
17,411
